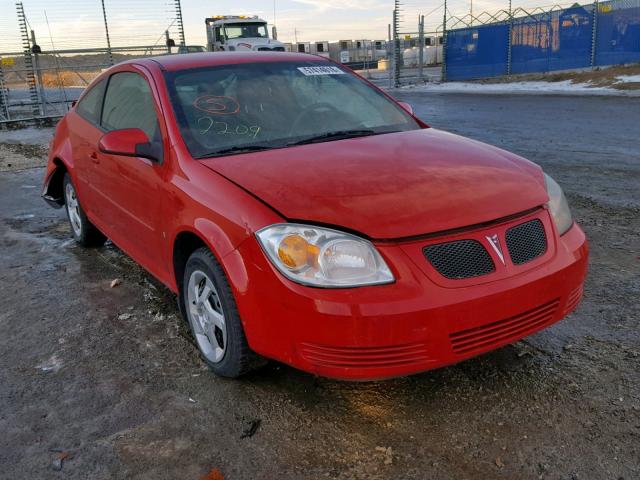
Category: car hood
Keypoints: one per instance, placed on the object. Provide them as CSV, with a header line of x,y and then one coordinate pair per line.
x,y
390,186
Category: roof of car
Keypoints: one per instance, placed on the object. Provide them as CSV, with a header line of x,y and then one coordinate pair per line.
x,y
174,63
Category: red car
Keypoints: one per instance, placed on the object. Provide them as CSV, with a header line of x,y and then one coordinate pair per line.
x,y
302,214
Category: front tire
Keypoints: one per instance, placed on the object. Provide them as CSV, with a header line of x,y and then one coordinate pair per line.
x,y
84,232
208,303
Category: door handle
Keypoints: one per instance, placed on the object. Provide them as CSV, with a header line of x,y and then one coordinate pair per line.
x,y
94,157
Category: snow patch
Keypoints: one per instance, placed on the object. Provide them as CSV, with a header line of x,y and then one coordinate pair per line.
x,y
52,365
565,87
628,79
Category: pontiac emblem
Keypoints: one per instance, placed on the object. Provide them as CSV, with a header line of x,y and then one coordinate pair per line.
x,y
494,241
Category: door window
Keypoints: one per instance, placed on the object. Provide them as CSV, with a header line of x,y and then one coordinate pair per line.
x,y
90,104
128,103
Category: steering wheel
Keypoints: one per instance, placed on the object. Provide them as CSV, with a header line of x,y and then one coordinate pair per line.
x,y
322,107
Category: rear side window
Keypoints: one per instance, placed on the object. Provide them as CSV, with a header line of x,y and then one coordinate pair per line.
x,y
91,103
128,103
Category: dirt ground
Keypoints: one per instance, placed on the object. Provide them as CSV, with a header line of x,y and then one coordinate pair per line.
x,y
598,77
101,383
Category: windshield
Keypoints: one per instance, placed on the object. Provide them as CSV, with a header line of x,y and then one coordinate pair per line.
x,y
251,106
245,30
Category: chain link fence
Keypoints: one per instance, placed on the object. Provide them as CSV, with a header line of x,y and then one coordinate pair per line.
x,y
48,55
530,41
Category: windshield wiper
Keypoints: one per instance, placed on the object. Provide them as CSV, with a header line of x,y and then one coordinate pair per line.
x,y
337,135
236,149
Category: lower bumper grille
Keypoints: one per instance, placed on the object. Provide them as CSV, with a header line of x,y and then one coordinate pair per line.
x,y
573,300
503,331
363,357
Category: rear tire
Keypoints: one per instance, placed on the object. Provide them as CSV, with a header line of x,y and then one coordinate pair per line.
x,y
84,232
208,304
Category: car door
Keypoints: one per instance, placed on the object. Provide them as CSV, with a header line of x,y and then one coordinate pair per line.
x,y
132,188
85,133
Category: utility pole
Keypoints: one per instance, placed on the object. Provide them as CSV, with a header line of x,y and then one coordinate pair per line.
x,y
180,23
421,42
36,105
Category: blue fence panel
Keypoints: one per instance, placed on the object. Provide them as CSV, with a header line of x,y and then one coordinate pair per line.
x,y
477,52
618,29
558,40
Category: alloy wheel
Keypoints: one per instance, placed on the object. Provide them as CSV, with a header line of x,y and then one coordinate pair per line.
x,y
73,208
206,316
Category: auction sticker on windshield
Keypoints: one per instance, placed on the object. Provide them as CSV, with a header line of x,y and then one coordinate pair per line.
x,y
321,71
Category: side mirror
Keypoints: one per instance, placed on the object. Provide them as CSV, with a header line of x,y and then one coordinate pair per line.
x,y
407,107
130,142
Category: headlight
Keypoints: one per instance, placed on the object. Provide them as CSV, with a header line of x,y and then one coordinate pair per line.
x,y
323,257
558,205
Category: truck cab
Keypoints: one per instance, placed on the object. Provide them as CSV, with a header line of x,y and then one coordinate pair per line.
x,y
239,33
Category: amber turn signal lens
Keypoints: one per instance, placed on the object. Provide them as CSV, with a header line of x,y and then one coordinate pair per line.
x,y
295,252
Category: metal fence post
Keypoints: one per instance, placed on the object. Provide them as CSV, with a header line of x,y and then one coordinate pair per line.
x,y
421,42
36,67
396,46
106,31
4,101
444,44
510,40
389,56
167,41
594,33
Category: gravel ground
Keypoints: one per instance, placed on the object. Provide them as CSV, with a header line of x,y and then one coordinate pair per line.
x,y
102,382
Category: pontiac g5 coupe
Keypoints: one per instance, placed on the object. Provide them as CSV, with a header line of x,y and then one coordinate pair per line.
x,y
303,215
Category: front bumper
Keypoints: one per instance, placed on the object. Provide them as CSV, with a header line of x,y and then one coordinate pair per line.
x,y
418,323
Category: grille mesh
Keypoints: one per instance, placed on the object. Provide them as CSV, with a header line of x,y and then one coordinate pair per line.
x,y
460,259
526,242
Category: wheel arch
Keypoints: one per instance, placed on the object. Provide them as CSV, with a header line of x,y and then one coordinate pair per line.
x,y
203,232
53,188
185,243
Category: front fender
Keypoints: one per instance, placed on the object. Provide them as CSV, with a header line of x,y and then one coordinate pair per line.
x,y
203,203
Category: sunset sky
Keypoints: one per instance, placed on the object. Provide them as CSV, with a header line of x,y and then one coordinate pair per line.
x,y
79,23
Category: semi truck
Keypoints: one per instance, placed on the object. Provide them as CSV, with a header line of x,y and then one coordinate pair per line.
x,y
240,33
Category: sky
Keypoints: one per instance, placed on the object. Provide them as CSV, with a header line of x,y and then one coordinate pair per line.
x,y
308,20
65,24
